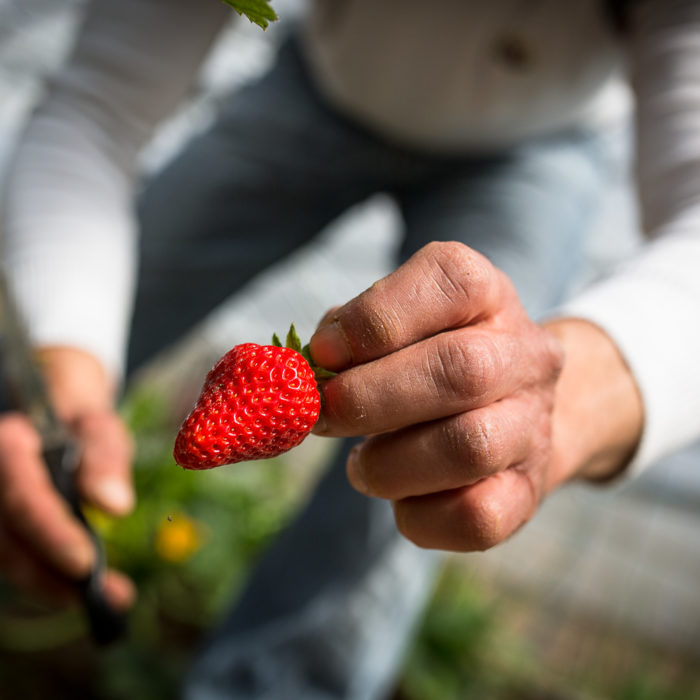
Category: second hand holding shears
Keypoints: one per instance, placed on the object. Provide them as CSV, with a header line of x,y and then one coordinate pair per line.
x,y
61,453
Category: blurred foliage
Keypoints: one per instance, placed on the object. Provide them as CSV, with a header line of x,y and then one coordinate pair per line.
x,y
475,643
189,545
446,659
193,534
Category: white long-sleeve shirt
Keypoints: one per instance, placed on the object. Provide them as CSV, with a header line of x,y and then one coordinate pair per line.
x,y
429,74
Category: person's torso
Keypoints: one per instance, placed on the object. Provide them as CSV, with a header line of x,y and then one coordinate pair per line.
x,y
452,74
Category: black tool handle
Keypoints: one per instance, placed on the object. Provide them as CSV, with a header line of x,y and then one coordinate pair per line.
x,y
106,624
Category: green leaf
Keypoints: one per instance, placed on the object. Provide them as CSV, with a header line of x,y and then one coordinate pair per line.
x,y
306,354
258,11
294,343
293,340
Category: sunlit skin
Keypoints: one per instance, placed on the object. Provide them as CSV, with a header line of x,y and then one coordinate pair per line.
x,y
475,411
43,548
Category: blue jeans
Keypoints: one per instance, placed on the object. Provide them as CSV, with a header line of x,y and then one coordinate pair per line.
x,y
330,608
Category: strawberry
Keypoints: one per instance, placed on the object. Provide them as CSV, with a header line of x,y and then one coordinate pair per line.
x,y
258,401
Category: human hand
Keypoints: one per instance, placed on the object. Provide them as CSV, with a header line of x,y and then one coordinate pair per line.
x,y
43,547
441,366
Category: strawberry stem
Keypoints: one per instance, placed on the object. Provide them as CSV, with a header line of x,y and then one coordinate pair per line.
x,y
294,343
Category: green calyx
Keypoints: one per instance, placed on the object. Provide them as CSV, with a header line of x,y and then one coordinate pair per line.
x,y
293,342
258,11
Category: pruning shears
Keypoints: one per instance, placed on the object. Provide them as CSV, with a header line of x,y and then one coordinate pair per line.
x,y
61,454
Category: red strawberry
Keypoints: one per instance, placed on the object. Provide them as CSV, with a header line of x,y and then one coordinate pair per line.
x,y
257,402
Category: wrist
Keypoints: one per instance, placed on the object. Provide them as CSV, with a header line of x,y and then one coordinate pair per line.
x,y
76,381
598,412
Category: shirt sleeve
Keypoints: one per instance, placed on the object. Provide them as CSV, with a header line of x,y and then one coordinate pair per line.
x,y
68,228
650,306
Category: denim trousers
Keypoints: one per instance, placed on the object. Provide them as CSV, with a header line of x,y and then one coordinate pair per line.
x,y
328,611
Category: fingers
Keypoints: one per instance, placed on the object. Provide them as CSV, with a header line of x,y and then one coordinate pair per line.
x,y
104,477
21,568
44,549
328,316
31,509
441,365
445,375
444,285
472,518
27,573
119,590
460,450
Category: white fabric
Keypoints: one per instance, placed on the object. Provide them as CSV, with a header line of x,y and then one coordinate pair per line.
x,y
427,73
651,305
433,74
67,223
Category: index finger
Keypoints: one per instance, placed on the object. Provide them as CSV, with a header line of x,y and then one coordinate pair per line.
x,y
444,285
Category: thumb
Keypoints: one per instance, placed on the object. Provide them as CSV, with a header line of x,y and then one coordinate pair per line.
x,y
327,317
104,477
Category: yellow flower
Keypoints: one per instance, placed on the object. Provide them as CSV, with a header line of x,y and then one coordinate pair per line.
x,y
178,537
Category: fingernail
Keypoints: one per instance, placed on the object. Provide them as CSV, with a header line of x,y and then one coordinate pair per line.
x,y
355,472
114,495
329,347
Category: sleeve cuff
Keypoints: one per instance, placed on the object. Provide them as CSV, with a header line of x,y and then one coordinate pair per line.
x,y
650,310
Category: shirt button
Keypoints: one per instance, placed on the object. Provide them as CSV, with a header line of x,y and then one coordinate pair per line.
x,y
513,52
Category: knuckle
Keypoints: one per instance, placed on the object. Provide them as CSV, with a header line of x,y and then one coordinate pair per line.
x,y
483,367
453,439
481,448
458,271
465,447
487,518
453,256
466,369
380,327
449,255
